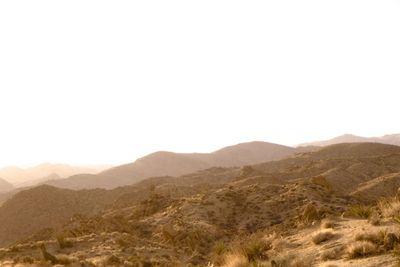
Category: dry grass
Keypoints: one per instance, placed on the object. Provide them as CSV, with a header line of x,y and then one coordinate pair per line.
x,y
63,242
287,259
310,214
331,254
374,237
360,249
374,220
254,249
360,211
386,240
322,236
235,260
327,223
390,208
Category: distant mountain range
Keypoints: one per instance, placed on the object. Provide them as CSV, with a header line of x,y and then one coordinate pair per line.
x,y
167,164
21,177
5,186
392,139
175,164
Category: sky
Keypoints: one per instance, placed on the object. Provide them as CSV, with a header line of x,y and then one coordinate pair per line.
x,y
106,82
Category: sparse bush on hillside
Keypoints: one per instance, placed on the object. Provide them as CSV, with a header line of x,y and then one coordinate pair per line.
x,y
48,257
360,211
66,260
360,249
113,260
327,224
322,181
292,260
387,241
331,254
322,236
26,259
236,260
310,214
374,220
390,208
373,237
255,249
64,242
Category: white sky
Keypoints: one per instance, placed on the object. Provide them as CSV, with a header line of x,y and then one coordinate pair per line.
x,y
109,81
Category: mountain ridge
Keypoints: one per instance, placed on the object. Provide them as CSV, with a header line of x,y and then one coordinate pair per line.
x,y
390,139
164,163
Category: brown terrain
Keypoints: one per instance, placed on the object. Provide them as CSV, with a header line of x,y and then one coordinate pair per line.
x,y
175,164
336,206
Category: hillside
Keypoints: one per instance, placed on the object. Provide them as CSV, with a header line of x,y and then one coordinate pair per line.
x,y
392,139
5,186
175,164
270,214
21,177
44,207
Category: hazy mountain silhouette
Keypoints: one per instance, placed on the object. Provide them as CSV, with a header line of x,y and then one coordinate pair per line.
x,y
5,186
392,139
29,176
174,164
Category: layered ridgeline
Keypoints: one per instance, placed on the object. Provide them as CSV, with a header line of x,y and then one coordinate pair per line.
x,y
207,215
175,164
390,139
5,186
22,177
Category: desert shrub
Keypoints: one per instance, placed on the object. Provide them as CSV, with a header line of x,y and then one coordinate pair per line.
x,y
321,181
373,237
322,236
387,240
309,214
280,244
217,253
390,208
219,248
360,249
390,241
327,223
66,260
64,242
331,254
374,220
254,249
26,259
113,260
235,260
361,211
290,260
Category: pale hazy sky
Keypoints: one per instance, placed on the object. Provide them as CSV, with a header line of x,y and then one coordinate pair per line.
x,y
109,81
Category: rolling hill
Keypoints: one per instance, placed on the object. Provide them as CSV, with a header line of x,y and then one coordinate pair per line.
x,y
21,177
392,139
175,164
